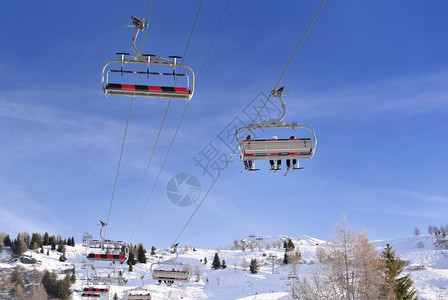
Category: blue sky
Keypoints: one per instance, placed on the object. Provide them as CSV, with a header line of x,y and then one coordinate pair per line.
x,y
370,79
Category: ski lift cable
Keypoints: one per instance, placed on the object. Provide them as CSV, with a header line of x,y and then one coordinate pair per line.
x,y
180,122
230,157
161,127
126,128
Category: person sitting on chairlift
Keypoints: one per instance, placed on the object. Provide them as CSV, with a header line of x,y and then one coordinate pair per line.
x,y
248,164
294,161
279,162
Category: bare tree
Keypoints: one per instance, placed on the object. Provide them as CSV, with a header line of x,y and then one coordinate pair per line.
x,y
38,292
350,269
235,245
294,259
197,273
251,246
244,263
369,268
416,231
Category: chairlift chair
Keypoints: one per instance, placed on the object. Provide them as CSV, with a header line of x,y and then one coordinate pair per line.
x,y
276,149
147,61
169,275
106,250
140,293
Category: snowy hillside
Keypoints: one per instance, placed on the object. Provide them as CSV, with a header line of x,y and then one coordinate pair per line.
x,y
428,266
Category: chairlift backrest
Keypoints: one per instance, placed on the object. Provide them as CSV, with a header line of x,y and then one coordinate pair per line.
x,y
277,149
96,290
176,275
107,257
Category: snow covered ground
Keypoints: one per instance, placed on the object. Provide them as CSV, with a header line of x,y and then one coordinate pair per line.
x,y
428,266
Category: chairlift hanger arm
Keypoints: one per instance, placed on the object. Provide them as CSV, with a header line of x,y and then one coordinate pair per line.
x,y
139,25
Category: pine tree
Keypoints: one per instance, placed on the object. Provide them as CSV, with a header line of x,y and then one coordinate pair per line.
x,y
131,259
36,241
216,264
223,265
53,245
15,278
290,245
56,288
205,260
153,250
7,241
46,240
141,254
254,266
285,258
115,296
19,245
396,287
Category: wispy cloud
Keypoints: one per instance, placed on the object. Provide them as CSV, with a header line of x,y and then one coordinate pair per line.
x,y
20,212
415,94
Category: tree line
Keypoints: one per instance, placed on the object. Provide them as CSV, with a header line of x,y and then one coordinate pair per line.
x,y
25,242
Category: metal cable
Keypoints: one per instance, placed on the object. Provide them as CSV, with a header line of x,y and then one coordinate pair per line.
x,y
161,126
126,128
180,122
230,158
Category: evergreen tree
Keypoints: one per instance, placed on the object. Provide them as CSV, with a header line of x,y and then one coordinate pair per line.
x,y
115,296
61,248
36,241
254,266
285,258
46,240
7,241
153,250
53,245
48,252
56,288
19,245
15,278
396,287
42,250
290,245
205,260
131,259
216,264
141,252
223,265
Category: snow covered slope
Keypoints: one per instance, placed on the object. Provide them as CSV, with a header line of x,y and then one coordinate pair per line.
x,y
428,266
